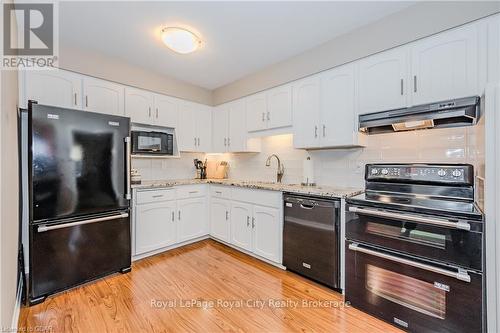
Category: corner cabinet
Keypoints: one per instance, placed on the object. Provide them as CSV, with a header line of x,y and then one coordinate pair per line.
x,y
229,132
270,109
103,96
195,127
50,87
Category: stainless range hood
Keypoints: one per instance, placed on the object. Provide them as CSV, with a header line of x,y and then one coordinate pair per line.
x,y
451,113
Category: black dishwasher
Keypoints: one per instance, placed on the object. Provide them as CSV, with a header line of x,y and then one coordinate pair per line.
x,y
311,238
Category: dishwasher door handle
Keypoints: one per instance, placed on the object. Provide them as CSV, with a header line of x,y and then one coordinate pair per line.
x,y
306,206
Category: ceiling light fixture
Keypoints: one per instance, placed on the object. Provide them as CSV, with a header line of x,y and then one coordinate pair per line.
x,y
180,40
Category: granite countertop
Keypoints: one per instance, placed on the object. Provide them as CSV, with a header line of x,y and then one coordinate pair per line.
x,y
320,190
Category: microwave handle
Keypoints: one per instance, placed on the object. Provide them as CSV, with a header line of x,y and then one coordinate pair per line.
x,y
405,217
128,196
460,275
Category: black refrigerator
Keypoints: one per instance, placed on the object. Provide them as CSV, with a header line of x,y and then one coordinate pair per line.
x,y
78,179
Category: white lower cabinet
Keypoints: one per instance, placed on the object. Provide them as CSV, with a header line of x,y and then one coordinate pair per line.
x,y
241,225
266,232
155,226
191,218
253,221
220,227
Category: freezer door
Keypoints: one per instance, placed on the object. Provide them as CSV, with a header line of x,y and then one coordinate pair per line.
x,y
77,162
70,252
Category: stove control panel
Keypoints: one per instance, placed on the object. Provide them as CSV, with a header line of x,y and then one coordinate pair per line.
x,y
447,173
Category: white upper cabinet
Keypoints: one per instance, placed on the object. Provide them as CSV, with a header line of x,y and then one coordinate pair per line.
x,y
103,96
445,66
51,87
269,109
138,105
306,108
279,107
337,115
256,112
166,111
220,119
186,135
203,118
237,130
383,81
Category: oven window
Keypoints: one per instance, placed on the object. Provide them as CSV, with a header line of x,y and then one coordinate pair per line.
x,y
407,232
149,143
404,290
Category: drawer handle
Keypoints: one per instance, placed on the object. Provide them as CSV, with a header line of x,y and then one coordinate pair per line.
x,y
218,192
158,196
460,275
193,192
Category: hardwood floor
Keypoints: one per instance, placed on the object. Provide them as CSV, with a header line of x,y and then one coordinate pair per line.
x,y
156,295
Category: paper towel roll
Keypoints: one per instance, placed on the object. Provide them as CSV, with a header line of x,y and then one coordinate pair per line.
x,y
308,172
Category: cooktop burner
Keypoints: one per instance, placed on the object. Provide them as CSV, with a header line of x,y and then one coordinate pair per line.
x,y
441,189
419,204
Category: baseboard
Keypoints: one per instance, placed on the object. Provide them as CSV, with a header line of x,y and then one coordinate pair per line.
x,y
17,307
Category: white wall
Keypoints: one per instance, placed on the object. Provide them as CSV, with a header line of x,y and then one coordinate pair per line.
x,y
341,167
114,69
9,202
418,21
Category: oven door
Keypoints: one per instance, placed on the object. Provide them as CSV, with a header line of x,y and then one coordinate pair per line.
x,y
430,237
415,295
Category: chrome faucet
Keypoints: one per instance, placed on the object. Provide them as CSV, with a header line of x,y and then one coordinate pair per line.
x,y
281,168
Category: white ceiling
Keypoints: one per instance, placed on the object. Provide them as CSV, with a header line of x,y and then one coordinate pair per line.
x,y
239,37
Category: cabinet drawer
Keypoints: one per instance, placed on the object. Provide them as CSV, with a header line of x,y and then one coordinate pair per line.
x,y
217,191
257,197
149,196
191,191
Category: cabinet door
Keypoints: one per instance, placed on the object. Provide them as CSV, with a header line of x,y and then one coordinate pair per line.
x,y
237,126
219,128
337,107
256,114
154,226
138,105
51,87
103,96
191,219
166,111
203,116
267,234
187,127
241,225
220,226
279,107
383,81
445,66
306,108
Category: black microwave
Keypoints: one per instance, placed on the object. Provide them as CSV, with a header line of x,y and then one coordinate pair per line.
x,y
154,143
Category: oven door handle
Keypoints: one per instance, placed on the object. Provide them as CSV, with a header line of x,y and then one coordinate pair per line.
x,y
460,275
419,219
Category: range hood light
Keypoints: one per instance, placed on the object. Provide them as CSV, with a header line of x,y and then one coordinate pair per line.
x,y
413,125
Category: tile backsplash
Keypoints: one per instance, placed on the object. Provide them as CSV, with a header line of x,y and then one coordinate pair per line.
x,y
336,167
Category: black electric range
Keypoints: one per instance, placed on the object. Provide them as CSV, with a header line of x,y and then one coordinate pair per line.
x,y
414,247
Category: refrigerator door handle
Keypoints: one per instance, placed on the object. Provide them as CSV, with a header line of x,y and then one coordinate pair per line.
x,y
128,196
44,228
